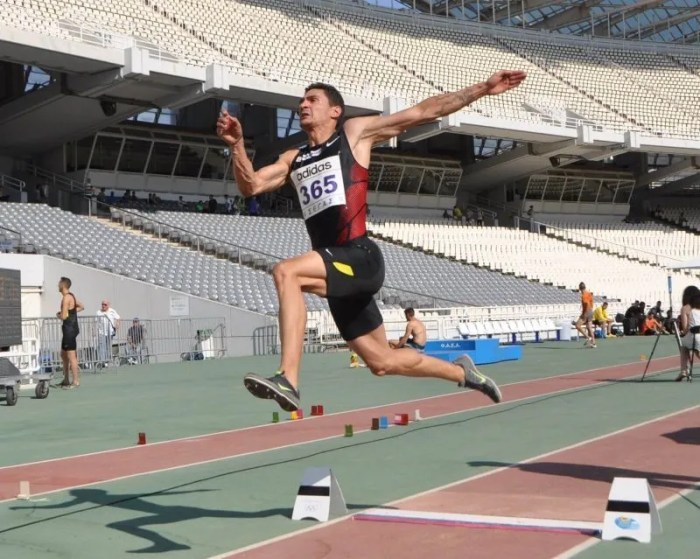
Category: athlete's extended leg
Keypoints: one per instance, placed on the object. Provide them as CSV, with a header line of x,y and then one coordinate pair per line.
x,y
382,360
294,277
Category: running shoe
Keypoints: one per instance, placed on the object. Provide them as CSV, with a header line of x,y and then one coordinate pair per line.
x,y
276,388
476,381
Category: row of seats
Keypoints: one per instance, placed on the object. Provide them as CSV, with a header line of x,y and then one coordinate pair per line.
x,y
50,231
511,329
442,282
682,215
648,242
371,54
539,257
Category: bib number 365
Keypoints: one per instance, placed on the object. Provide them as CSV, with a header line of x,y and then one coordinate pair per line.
x,y
319,185
318,188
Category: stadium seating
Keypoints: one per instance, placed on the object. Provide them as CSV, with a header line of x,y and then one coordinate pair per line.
x,y
85,241
372,53
537,257
676,213
412,275
648,242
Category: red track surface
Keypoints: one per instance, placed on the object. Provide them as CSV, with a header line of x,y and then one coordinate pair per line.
x,y
66,473
570,484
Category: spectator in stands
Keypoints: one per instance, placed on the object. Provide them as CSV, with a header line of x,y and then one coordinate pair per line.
x,y
70,307
151,200
530,211
688,319
107,326
136,340
239,202
127,196
479,217
180,203
102,196
253,206
134,198
601,318
212,205
44,192
415,335
199,206
469,217
445,214
457,213
586,318
228,204
112,197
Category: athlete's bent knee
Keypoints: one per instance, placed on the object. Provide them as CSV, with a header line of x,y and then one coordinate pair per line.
x,y
377,367
281,273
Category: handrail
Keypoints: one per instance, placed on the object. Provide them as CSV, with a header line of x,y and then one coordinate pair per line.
x,y
189,232
17,233
598,241
12,182
60,181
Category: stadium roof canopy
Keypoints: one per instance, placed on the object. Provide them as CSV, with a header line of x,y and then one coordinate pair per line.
x,y
649,20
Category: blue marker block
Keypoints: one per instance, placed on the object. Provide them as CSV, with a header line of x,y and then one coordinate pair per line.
x,y
384,422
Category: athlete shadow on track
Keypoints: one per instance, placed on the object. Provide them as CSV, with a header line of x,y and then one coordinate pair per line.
x,y
595,473
156,514
688,435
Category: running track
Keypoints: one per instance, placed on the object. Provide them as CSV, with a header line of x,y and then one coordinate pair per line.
x,y
78,471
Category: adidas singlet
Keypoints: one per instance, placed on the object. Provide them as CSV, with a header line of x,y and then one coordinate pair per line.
x,y
332,190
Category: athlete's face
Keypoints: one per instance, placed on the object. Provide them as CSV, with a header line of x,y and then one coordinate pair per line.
x,y
315,109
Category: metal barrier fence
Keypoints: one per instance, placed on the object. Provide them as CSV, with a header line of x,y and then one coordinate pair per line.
x,y
148,341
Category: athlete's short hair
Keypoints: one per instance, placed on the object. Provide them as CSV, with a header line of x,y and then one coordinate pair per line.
x,y
409,311
582,285
65,281
334,97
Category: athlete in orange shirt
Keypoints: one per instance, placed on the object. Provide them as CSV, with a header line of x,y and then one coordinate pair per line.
x,y
586,316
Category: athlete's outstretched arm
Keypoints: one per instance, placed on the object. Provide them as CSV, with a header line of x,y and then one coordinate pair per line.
x,y
380,128
251,182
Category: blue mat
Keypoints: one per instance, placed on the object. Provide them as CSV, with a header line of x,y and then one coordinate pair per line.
x,y
482,351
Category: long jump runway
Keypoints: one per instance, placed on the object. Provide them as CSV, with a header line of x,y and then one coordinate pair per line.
x,y
567,483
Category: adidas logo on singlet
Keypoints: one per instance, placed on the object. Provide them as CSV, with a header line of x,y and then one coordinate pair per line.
x,y
312,170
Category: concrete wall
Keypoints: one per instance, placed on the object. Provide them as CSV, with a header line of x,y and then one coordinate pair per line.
x,y
131,298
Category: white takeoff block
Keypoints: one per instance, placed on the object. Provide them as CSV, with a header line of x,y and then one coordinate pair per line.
x,y
25,492
631,512
319,496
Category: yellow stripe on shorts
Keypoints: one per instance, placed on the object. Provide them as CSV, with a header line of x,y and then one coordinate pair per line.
x,y
344,268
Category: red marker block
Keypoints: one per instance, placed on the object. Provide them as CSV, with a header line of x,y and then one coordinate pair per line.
x,y
142,438
401,419
319,410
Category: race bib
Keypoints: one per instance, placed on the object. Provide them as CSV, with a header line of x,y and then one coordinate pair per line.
x,y
319,186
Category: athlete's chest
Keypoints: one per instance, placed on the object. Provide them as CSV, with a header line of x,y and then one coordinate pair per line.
x,y
317,175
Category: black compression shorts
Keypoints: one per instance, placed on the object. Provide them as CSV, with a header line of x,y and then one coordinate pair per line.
x,y
69,342
355,272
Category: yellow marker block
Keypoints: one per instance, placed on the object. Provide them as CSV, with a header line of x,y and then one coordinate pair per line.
x,y
642,357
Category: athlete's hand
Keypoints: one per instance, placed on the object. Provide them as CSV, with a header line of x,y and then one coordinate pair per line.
x,y
504,80
229,128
